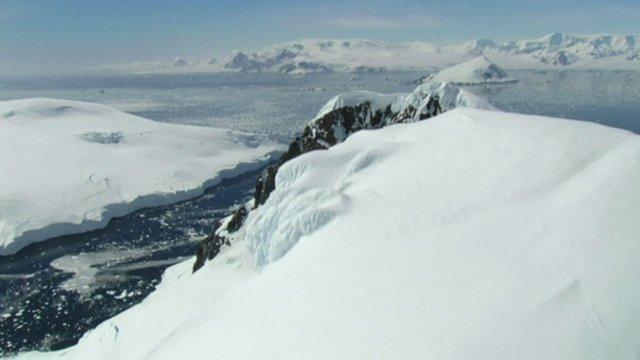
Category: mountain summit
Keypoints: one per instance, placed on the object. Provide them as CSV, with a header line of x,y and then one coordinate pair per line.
x,y
476,71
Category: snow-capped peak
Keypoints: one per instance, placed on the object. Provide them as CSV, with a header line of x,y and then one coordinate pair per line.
x,y
473,72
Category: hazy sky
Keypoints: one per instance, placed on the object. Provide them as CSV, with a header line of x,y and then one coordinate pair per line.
x,y
44,35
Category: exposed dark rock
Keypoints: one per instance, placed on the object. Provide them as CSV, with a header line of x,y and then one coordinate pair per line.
x,y
244,62
303,67
264,186
237,220
209,248
369,69
560,58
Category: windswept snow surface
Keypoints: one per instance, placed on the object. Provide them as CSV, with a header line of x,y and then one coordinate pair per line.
x,y
68,166
477,71
472,235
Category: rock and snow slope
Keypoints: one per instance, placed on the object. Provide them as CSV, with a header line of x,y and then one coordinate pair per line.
x,y
339,118
472,235
477,71
68,166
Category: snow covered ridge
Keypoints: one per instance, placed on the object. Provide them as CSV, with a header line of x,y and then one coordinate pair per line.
x,y
68,166
514,235
478,71
339,118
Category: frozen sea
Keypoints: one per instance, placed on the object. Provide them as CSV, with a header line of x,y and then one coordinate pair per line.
x,y
54,291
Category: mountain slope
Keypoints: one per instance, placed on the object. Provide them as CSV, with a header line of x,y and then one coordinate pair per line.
x,y
472,235
340,117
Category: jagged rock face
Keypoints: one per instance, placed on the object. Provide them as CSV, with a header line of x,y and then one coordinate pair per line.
x,y
333,126
265,185
237,220
209,248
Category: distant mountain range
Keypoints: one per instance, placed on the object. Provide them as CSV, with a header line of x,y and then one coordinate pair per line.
x,y
558,50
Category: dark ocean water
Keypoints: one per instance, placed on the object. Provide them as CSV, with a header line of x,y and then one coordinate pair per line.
x,y
53,291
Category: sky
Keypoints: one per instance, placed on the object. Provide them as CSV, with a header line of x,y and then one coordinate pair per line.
x,y
62,35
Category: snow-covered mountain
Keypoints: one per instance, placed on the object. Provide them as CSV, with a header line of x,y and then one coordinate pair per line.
x,y
562,50
339,118
475,234
591,46
477,71
69,166
308,56
180,62
476,47
337,55
554,50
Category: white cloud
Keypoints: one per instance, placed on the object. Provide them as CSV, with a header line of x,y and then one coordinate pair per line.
x,y
383,23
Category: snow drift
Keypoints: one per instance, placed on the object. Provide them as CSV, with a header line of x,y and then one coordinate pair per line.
x,y
472,235
478,71
68,166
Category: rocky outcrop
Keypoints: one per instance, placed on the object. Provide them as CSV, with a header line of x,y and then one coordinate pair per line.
x,y
243,62
209,248
560,58
303,68
180,62
342,116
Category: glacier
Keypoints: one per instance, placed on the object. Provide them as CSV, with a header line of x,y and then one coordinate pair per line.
x,y
69,166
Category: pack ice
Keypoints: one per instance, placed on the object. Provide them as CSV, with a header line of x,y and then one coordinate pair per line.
x,y
68,166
